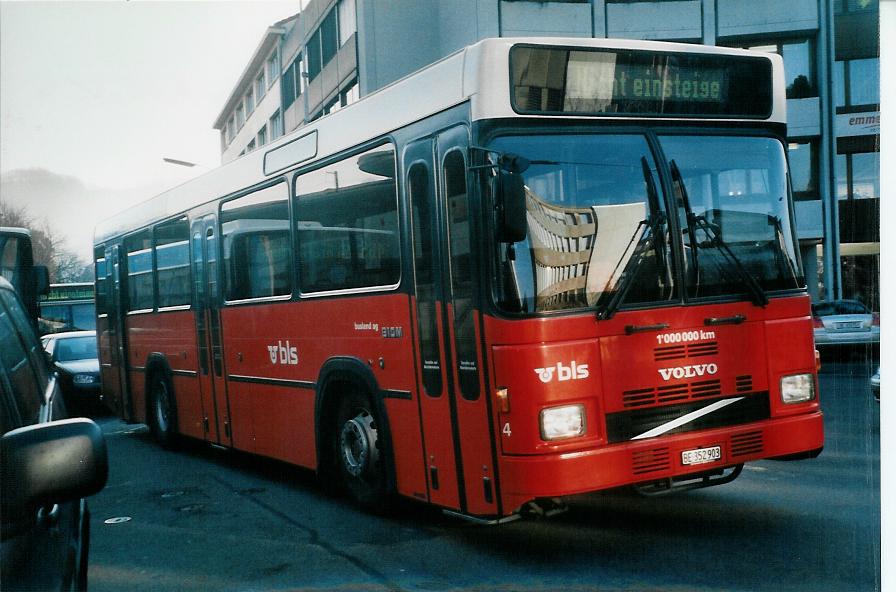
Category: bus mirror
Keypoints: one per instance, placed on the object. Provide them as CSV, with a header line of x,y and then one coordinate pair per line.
x,y
41,280
512,224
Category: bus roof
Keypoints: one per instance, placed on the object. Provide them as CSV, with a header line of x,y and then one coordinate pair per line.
x,y
479,73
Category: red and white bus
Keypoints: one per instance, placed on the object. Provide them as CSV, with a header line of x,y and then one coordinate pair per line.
x,y
535,268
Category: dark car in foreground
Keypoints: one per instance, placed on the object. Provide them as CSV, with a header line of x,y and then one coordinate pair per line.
x,y
845,322
73,356
48,465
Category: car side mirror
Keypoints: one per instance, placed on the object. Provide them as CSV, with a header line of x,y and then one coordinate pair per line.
x,y
512,225
52,463
41,280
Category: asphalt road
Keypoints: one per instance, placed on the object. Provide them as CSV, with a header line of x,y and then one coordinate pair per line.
x,y
201,519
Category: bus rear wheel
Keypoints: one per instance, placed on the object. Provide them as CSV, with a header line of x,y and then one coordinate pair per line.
x,y
162,411
358,452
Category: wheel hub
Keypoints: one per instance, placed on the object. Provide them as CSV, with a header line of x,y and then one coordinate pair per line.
x,y
358,443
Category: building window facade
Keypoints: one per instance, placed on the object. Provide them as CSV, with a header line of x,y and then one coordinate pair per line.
x,y
799,64
858,175
292,85
349,94
851,6
273,67
803,157
262,136
240,116
348,18
260,87
857,84
250,102
323,45
275,125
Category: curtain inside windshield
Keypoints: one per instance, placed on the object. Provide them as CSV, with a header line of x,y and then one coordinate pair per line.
x,y
596,225
739,220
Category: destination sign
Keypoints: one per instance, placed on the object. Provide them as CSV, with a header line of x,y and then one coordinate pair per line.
x,y
686,85
555,80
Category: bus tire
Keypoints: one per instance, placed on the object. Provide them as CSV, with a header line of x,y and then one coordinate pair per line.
x,y
358,452
162,411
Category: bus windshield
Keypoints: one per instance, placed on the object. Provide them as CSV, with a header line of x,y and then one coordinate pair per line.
x,y
598,228
596,223
739,223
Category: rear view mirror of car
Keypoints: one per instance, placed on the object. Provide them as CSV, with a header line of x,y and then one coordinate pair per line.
x,y
52,463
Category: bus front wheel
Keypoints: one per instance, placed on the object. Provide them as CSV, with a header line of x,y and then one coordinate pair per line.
x,y
162,411
358,452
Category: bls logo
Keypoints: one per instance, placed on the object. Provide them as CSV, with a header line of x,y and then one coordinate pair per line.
x,y
283,354
572,372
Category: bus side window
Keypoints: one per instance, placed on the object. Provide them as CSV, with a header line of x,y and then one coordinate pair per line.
x,y
347,222
257,250
172,253
140,271
99,256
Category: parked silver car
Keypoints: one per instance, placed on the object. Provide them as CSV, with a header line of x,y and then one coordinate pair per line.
x,y
845,322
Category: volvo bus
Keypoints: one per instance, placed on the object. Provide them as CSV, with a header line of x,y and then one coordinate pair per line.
x,y
535,268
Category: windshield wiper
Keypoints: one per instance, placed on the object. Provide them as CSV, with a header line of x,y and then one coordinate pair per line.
x,y
655,222
695,221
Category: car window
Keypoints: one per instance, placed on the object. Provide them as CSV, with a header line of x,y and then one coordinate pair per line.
x,y
75,348
26,386
823,309
26,334
847,307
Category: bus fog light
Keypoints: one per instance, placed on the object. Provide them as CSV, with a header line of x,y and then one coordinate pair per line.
x,y
798,388
562,422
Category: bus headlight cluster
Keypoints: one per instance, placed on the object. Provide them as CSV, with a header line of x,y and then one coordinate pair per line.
x,y
797,388
562,422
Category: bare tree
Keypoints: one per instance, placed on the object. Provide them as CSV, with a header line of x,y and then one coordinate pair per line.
x,y
63,265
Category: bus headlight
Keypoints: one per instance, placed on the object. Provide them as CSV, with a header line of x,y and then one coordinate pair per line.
x,y
798,388
562,422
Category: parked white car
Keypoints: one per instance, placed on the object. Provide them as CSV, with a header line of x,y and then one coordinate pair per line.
x,y
845,322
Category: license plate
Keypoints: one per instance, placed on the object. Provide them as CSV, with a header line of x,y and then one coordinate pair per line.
x,y
850,325
699,456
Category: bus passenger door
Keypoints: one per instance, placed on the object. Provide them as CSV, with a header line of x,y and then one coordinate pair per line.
x,y
461,318
206,298
454,413
436,405
116,374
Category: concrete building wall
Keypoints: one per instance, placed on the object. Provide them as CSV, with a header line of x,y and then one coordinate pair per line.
x,y
545,19
761,17
666,21
396,38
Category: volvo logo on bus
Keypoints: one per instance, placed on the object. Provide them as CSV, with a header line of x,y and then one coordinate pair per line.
x,y
572,372
688,371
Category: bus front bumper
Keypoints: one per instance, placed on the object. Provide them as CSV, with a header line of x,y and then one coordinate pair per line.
x,y
525,478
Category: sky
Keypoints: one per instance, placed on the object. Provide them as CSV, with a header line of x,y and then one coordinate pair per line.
x,y
93,95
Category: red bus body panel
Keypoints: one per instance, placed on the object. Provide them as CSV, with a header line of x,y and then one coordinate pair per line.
x,y
278,421
594,363
600,366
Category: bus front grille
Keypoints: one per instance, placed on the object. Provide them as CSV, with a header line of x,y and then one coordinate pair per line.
x,y
742,408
